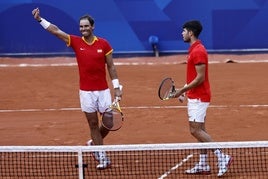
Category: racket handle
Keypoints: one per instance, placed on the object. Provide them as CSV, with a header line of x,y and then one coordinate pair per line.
x,y
118,98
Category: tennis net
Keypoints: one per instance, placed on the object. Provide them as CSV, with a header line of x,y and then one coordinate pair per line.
x,y
250,160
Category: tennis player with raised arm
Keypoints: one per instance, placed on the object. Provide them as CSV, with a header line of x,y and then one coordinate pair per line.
x,y
198,93
93,55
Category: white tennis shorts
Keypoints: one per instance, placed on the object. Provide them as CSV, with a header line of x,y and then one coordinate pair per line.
x,y
197,110
92,101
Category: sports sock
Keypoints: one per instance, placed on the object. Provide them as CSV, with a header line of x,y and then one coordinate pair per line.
x,y
203,159
219,154
102,155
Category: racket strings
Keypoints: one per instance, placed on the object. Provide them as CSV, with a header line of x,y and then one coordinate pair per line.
x,y
166,89
112,118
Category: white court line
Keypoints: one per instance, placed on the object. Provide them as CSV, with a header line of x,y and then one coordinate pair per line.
x,y
126,62
176,166
133,107
38,65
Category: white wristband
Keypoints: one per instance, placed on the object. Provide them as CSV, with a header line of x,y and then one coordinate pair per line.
x,y
44,23
181,98
115,83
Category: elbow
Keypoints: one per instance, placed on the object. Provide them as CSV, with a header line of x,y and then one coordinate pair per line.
x,y
200,80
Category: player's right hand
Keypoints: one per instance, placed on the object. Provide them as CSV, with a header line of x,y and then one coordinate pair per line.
x,y
36,14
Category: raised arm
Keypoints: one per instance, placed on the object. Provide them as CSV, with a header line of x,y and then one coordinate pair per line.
x,y
53,29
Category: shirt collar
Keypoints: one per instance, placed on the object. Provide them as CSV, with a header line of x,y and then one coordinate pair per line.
x,y
94,40
194,45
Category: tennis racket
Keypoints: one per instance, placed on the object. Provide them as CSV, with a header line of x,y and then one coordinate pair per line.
x,y
166,89
112,118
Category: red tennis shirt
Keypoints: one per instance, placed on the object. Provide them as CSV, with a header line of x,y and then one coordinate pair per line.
x,y
91,60
198,55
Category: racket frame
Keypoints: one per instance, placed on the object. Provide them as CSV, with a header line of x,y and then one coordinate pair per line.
x,y
171,91
115,105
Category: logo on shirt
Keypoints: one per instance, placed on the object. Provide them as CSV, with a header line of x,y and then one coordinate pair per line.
x,y
99,50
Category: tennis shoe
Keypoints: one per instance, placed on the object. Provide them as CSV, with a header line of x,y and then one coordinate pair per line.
x,y
95,155
199,170
224,164
104,163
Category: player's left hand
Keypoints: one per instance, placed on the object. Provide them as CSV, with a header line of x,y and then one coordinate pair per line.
x,y
118,92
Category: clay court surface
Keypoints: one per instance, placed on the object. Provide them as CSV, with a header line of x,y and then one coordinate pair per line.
x,y
40,104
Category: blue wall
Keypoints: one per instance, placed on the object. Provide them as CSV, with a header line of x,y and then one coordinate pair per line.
x,y
127,24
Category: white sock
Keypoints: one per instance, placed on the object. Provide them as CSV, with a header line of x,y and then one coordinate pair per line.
x,y
203,159
102,155
219,154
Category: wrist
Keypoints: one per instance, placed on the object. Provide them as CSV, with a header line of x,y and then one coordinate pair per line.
x,y
44,23
115,83
175,95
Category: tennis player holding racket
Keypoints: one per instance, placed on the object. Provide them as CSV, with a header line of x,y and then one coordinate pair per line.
x,y
199,95
93,55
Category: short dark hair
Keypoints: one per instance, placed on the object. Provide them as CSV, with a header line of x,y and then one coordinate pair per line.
x,y
89,18
195,26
